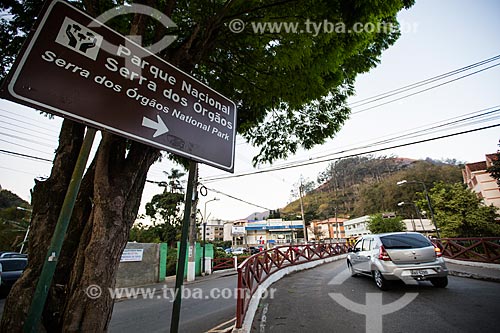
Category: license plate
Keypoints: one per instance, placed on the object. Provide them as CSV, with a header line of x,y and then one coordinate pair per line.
x,y
419,272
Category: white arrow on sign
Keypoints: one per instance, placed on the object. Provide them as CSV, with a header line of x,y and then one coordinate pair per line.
x,y
159,126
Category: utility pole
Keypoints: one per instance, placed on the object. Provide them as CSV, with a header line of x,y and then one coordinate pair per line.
x,y
179,276
191,269
336,226
302,212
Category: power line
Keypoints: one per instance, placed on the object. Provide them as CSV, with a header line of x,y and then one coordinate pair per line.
x,y
16,170
30,134
420,83
28,140
31,148
27,123
25,156
424,90
417,132
233,197
347,156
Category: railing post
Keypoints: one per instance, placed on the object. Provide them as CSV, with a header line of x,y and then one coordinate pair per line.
x,y
239,300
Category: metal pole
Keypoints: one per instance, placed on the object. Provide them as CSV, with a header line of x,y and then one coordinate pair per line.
x,y
430,209
203,254
205,218
420,218
302,212
25,238
179,278
49,267
27,230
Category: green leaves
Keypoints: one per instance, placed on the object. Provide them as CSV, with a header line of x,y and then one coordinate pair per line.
x,y
291,85
494,169
460,213
377,224
288,71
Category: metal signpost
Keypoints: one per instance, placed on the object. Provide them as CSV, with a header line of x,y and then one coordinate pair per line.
x,y
78,68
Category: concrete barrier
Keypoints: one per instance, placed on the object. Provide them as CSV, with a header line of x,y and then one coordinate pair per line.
x,y
141,264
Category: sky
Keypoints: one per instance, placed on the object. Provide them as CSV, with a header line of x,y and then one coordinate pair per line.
x,y
437,37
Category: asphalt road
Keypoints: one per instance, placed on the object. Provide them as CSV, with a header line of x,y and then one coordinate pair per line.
x,y
323,299
327,299
208,304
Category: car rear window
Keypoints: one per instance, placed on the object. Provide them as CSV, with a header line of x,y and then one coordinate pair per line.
x,y
13,265
405,241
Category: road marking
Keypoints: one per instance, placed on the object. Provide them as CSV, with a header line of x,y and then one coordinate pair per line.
x,y
225,327
263,318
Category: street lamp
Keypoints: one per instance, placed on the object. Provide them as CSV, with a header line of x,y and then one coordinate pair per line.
x,y
27,230
204,232
402,203
402,182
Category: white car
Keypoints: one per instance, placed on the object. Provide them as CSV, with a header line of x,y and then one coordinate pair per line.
x,y
398,256
239,250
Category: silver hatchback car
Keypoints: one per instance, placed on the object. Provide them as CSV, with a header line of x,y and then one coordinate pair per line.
x,y
406,256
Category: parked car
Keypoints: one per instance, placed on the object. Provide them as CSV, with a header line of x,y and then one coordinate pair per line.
x,y
5,254
398,256
240,250
10,270
229,250
255,249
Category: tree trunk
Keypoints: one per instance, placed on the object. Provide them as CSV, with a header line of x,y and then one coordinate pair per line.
x,y
118,187
47,199
96,237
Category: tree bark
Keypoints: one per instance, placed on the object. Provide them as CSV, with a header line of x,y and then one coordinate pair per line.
x,y
118,187
47,199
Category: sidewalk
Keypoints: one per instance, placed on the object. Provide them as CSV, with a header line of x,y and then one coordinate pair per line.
x,y
170,280
474,270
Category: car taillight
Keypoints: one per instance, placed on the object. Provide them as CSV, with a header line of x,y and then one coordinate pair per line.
x,y
438,251
382,254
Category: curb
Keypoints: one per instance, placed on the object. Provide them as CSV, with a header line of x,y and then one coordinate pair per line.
x,y
473,276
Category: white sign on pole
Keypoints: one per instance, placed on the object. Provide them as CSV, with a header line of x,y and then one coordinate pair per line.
x,y
129,255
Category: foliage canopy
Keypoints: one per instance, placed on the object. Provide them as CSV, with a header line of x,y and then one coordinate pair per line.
x,y
460,213
377,224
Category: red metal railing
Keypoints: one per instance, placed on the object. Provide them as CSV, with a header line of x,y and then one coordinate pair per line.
x,y
257,268
485,249
222,263
227,262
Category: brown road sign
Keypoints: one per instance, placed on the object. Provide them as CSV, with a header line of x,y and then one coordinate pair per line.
x,y
78,68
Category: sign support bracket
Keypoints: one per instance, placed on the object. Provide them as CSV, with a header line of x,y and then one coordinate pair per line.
x,y
45,280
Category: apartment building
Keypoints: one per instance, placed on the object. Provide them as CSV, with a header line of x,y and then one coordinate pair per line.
x,y
478,179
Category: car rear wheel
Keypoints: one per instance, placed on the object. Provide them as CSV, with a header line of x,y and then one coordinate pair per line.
x,y
380,281
440,282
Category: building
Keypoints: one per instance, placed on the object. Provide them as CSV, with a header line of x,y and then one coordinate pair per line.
x,y
419,225
479,180
269,232
214,230
357,227
331,228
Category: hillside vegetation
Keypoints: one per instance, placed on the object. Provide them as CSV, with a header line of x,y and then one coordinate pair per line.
x,y
367,185
13,221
